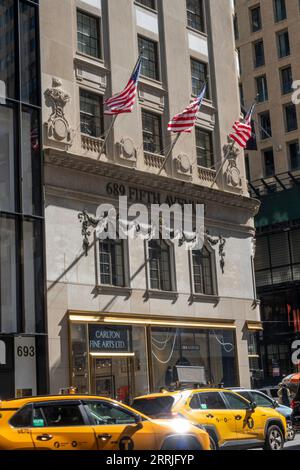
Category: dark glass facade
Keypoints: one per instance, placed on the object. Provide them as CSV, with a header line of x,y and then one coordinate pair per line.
x,y
22,280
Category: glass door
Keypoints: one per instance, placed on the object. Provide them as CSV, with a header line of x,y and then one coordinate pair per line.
x,y
113,377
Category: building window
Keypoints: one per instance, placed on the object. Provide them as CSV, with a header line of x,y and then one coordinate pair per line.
x,y
149,59
147,3
199,76
294,152
265,124
91,119
262,88
152,136
280,10
247,168
255,19
236,27
241,90
290,117
204,148
88,36
111,255
259,54
159,265
286,80
203,272
283,44
195,14
269,163
28,54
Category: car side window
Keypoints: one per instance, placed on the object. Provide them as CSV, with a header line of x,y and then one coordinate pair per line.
x,y
22,418
262,400
101,412
211,401
57,415
195,402
246,395
235,402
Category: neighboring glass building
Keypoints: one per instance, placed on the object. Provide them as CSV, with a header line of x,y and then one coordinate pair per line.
x,y
22,287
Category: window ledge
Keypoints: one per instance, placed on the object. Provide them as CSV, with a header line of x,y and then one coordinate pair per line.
x,y
197,31
161,294
215,299
114,290
151,82
87,59
145,7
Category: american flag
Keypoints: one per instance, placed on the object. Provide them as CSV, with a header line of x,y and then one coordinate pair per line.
x,y
243,130
123,102
185,121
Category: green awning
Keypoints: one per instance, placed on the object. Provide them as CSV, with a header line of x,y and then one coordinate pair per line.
x,y
279,207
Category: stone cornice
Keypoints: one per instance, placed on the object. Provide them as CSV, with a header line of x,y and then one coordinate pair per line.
x,y
162,183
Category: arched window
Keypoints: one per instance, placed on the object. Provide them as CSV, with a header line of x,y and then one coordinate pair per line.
x,y
111,254
159,265
203,280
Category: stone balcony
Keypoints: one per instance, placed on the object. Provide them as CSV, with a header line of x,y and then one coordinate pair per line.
x,y
153,160
92,146
206,174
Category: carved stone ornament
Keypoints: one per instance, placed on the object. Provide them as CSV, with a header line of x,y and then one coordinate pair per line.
x,y
127,149
57,125
232,173
222,242
183,164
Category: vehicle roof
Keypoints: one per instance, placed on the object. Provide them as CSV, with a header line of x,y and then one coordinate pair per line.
x,y
185,391
18,402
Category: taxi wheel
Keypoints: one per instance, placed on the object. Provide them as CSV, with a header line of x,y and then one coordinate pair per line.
x,y
274,439
213,443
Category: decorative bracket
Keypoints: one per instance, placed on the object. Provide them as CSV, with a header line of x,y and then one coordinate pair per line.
x,y
222,242
87,221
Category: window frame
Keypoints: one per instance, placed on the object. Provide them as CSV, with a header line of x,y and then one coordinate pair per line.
x,y
210,133
295,142
171,262
285,107
206,72
202,16
256,64
264,151
251,10
280,34
276,19
157,66
265,90
62,403
160,135
124,248
263,135
235,395
99,33
213,270
101,112
282,70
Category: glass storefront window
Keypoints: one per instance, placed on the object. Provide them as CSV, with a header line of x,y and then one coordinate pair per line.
x,y
7,50
7,158
8,275
211,353
31,162
79,358
28,54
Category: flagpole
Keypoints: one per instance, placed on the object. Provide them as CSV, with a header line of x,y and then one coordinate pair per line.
x,y
169,153
107,135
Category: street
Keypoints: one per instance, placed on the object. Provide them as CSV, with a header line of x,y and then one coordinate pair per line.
x,y
293,445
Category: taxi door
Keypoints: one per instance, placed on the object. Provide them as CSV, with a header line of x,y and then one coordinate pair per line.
x,y
248,422
116,428
61,425
209,409
16,428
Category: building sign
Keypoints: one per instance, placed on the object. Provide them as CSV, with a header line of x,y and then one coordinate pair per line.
x,y
2,352
25,366
104,338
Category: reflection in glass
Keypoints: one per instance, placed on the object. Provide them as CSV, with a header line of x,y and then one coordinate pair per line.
x,y
28,54
7,49
8,267
79,357
7,197
31,162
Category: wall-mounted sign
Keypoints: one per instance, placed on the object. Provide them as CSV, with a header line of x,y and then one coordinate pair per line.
x,y
104,338
25,366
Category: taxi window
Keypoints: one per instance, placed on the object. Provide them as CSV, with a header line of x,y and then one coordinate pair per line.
x,y
154,406
262,400
245,395
101,412
58,415
22,418
211,401
235,402
195,403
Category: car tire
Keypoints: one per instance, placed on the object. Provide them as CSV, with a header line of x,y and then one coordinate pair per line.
x,y
291,433
274,438
213,442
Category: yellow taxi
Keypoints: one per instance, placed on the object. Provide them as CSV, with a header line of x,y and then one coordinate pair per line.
x,y
81,422
231,421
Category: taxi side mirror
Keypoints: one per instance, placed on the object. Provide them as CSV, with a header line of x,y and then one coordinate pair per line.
x,y
252,406
275,404
138,419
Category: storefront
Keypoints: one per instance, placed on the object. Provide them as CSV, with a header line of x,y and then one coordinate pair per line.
x,y
126,357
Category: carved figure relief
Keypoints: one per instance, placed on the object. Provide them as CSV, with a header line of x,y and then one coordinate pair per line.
x,y
57,124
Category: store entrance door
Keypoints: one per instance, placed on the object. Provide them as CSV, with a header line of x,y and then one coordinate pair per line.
x,y
113,377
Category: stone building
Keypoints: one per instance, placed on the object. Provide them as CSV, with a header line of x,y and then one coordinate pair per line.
x,y
129,316
267,35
